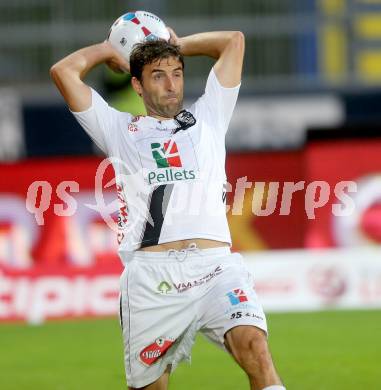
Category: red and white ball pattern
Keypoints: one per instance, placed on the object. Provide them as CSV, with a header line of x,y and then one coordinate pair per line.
x,y
135,27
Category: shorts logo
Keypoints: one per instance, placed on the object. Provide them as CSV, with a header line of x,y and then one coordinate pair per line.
x,y
149,355
237,296
184,286
166,154
164,287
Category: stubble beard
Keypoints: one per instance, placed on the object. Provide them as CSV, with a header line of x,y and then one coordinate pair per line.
x,y
168,110
172,110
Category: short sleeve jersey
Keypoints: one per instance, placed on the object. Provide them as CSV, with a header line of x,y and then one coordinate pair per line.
x,y
170,174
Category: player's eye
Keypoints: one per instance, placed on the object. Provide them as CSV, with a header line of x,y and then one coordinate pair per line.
x,y
157,76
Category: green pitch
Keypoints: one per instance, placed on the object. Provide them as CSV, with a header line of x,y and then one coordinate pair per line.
x,y
317,351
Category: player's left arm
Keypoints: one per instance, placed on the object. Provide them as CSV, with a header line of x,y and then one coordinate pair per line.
x,y
227,47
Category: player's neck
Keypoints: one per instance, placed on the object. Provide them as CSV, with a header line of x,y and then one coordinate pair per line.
x,y
159,117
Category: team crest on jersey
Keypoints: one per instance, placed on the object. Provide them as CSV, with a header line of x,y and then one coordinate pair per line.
x,y
132,128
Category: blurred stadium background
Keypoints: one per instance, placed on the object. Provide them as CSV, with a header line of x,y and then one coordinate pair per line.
x,y
308,113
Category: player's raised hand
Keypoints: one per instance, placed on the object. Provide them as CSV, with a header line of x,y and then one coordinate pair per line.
x,y
116,61
173,38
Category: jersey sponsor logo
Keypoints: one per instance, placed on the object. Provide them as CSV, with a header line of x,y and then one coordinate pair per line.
x,y
166,154
237,296
170,175
153,352
168,160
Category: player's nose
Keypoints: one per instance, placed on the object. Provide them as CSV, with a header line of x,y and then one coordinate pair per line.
x,y
170,84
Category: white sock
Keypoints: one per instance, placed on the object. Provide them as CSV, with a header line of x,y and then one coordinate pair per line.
x,y
275,387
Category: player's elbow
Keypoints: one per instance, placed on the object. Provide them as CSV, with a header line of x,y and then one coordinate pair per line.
x,y
238,40
236,44
60,73
238,37
56,72
53,71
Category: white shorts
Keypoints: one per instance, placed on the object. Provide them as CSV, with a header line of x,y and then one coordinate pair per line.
x,y
166,297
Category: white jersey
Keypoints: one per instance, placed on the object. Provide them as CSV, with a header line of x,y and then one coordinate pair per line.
x,y
170,174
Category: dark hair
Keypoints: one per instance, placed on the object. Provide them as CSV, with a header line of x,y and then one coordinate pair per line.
x,y
148,52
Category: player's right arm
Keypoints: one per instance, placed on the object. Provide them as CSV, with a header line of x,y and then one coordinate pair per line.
x,y
69,73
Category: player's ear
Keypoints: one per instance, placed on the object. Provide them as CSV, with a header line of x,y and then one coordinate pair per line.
x,y
137,85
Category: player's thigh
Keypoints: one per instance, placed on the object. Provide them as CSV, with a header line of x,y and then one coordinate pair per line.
x,y
157,323
160,384
232,302
249,347
246,341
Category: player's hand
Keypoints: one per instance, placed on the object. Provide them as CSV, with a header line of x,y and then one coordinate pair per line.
x,y
116,61
173,38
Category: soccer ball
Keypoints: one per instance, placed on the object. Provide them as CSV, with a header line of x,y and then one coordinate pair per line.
x,y
135,27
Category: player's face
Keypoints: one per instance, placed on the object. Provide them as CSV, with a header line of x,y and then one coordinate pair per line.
x,y
162,87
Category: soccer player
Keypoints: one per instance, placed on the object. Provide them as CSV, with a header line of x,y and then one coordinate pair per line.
x,y
180,276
